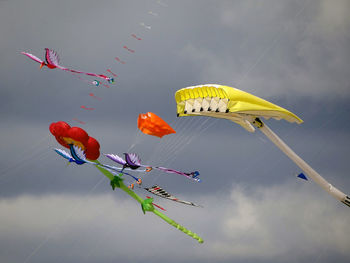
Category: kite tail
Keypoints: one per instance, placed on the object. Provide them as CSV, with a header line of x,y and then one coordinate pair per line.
x,y
146,204
178,226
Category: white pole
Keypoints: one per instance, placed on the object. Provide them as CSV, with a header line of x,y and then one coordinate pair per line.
x,y
301,163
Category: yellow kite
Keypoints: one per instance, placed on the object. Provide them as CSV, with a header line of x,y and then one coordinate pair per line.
x,y
225,102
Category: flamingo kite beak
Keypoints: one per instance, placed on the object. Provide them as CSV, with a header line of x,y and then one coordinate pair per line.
x,y
42,64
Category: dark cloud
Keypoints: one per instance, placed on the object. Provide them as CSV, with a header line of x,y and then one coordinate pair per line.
x,y
293,53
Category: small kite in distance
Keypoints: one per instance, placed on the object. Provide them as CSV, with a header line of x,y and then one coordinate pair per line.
x,y
95,97
302,176
152,13
86,108
119,60
77,120
110,71
129,49
145,26
136,37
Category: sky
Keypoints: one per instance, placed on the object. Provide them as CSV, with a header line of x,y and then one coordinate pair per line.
x,y
292,53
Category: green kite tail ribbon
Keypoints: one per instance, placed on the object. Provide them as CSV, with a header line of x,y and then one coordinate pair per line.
x,y
146,204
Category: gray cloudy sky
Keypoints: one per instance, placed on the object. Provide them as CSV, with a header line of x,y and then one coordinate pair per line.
x,y
293,53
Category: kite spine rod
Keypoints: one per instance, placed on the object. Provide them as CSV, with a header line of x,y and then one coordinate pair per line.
x,y
301,163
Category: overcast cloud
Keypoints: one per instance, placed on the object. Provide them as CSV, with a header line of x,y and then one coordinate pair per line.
x,y
294,53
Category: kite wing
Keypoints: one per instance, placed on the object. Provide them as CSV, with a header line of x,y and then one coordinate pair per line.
x,y
119,160
158,191
225,102
115,158
133,160
63,153
52,58
35,58
79,155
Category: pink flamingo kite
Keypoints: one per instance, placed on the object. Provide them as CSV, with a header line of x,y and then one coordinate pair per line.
x,y
52,61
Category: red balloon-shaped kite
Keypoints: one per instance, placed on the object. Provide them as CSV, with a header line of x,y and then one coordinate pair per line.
x,y
66,136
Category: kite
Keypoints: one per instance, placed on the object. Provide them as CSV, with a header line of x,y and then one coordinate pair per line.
x,y
146,204
192,175
77,120
225,102
96,83
158,191
110,71
128,49
85,149
119,60
302,176
86,108
95,97
133,162
77,156
136,37
145,26
151,124
69,136
52,61
152,13
161,3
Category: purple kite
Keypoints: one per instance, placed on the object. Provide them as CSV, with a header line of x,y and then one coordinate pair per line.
x,y
133,161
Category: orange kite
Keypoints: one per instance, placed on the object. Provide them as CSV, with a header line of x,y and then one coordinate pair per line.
x,y
151,124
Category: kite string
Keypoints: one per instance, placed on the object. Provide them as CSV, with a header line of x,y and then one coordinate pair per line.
x,y
173,149
168,141
172,157
165,140
69,216
74,211
194,132
26,158
175,141
265,51
175,124
192,125
271,45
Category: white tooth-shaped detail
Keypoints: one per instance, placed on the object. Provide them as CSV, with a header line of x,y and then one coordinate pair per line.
x,y
214,103
189,105
197,104
206,103
223,105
